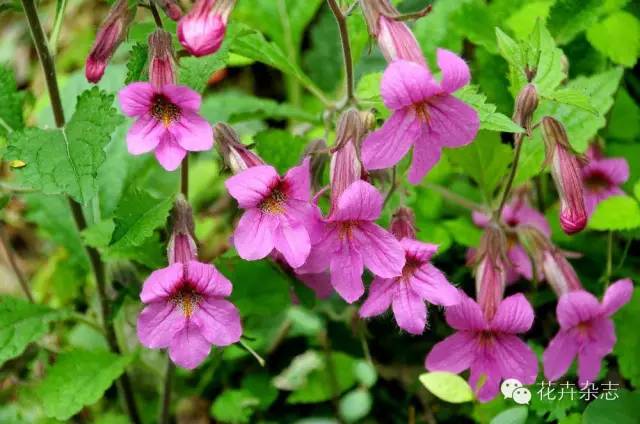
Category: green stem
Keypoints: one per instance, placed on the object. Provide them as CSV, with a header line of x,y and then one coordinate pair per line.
x,y
156,15
512,175
346,48
165,412
61,6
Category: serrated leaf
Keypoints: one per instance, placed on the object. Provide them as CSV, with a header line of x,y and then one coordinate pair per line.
x,y
21,323
617,37
78,378
67,160
447,386
137,216
195,72
616,213
280,148
568,18
489,118
136,63
572,97
11,105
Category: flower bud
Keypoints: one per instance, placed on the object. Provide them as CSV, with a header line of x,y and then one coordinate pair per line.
x,y
403,224
162,62
346,165
202,30
182,245
235,155
317,151
526,104
171,8
559,273
565,169
111,33
491,274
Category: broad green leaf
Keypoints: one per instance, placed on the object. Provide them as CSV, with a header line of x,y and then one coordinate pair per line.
x,y
318,385
234,406
572,97
77,379
515,415
355,405
463,231
67,161
280,148
439,30
486,160
137,62
489,118
553,408
617,37
476,22
137,216
447,386
624,120
21,323
531,159
195,72
321,62
616,213
524,19
261,387
622,410
568,18
627,348
11,103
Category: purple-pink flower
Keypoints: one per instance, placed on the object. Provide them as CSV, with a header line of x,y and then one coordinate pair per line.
x,y
586,331
186,312
602,177
406,294
277,215
425,115
167,122
488,347
202,30
348,240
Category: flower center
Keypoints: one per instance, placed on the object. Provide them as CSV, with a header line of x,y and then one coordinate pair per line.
x,y
410,267
345,230
422,111
274,204
485,339
164,110
187,299
596,181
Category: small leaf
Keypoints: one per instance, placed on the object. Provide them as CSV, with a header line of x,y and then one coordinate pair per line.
x,y
616,213
516,415
11,105
489,118
234,406
136,64
447,386
572,97
617,37
280,148
355,405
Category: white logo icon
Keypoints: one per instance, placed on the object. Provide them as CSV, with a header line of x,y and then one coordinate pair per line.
x,y
521,396
509,386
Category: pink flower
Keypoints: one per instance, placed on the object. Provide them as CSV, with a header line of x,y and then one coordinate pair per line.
x,y
202,30
517,215
277,215
601,177
186,312
425,115
586,331
420,281
167,122
487,347
348,240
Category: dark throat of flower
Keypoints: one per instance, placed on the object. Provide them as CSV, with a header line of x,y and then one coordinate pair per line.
x,y
422,111
275,203
596,182
164,110
188,299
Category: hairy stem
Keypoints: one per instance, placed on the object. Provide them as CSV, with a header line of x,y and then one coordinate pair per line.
x,y
156,15
11,256
97,266
341,19
166,395
511,177
184,177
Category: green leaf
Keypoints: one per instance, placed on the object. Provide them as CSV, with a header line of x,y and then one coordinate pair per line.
x,y
280,148
515,415
572,97
616,213
319,386
355,405
619,411
486,160
624,120
195,72
627,348
447,386
67,161
475,21
11,105
617,37
234,406
464,232
22,323
261,387
524,19
636,190
78,378
553,408
137,216
568,18
489,118
136,64
365,373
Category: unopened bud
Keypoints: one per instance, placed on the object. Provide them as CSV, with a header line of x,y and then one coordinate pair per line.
x,y
526,104
171,8
491,274
559,273
182,245
346,165
403,224
235,155
565,169
110,34
162,63
317,151
202,30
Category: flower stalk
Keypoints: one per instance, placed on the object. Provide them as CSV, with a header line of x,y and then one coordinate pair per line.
x,y
341,19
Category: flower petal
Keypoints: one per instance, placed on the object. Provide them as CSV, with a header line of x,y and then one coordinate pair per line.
x,y
321,251
359,202
161,283
379,299
252,185
381,251
135,99
576,307
418,250
617,295
386,146
452,123
207,279
558,356
425,156
491,386
466,315
409,309
158,323
346,273
589,364
319,282
183,97
514,315
192,132
219,321
515,359
406,83
189,348
298,181
430,283
520,261
254,235
292,240
169,153
455,71
144,135
454,354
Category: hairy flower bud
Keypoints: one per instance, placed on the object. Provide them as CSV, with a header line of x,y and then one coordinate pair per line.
x,y
182,245
171,8
491,274
565,169
111,33
403,224
346,165
162,62
235,155
559,273
202,30
526,104
317,150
